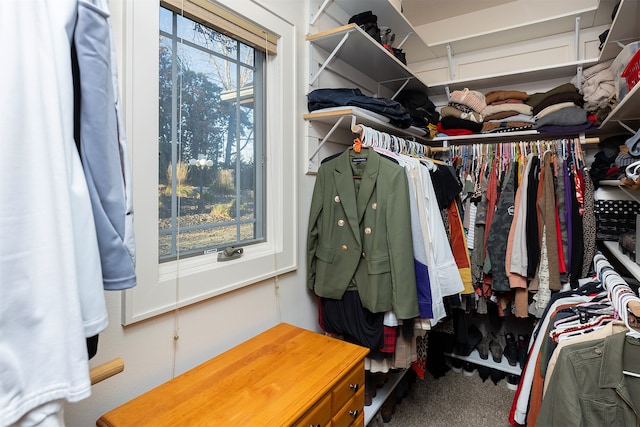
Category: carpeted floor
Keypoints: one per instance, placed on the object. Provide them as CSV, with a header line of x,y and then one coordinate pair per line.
x,y
454,400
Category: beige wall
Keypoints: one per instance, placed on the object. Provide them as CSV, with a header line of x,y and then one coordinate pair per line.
x,y
208,328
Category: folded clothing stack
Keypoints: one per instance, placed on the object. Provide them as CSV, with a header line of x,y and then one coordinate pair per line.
x,y
506,111
462,114
598,89
559,111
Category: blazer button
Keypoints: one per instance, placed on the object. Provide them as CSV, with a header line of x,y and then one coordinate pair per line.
x,y
344,247
374,206
340,222
364,255
367,230
337,199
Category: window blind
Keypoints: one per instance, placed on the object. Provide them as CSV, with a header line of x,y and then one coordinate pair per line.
x,y
226,22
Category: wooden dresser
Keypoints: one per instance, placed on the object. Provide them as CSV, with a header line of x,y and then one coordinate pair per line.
x,y
284,376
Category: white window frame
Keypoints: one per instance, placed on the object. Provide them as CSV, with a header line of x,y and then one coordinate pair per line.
x,y
164,287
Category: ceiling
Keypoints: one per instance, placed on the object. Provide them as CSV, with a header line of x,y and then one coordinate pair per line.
x,y
420,12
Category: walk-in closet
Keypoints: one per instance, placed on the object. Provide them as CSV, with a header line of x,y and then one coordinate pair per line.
x,y
320,213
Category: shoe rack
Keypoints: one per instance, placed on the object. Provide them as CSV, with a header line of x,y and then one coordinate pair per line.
x,y
475,358
382,394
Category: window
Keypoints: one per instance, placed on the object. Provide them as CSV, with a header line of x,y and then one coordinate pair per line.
x,y
221,169
210,140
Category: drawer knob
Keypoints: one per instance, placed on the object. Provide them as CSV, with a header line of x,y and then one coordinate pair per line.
x,y
354,414
354,387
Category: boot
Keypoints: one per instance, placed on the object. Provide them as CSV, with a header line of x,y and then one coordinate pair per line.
x,y
388,408
522,350
511,349
495,348
369,388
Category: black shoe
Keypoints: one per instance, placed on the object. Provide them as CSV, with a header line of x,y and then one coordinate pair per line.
x,y
496,375
484,372
513,381
456,365
468,369
522,350
388,408
402,390
511,349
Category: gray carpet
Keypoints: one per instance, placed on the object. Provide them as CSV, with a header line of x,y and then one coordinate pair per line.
x,y
454,400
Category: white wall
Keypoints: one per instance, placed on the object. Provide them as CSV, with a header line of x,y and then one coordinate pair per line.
x,y
208,328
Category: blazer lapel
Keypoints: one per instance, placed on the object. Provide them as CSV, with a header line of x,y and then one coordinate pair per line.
x,y
343,177
368,182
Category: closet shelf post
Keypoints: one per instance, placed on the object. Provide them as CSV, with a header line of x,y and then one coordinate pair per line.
x,y
452,64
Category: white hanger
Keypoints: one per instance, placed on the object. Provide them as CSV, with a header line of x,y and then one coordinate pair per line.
x,y
625,299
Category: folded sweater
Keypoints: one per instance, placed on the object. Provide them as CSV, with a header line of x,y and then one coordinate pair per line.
x,y
520,108
568,116
502,95
536,98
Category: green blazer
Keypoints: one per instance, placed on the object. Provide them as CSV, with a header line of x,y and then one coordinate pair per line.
x,y
359,235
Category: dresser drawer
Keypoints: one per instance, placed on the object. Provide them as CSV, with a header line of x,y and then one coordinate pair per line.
x,y
346,388
318,416
352,413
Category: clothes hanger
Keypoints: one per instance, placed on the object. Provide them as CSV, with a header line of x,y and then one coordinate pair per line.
x,y
626,299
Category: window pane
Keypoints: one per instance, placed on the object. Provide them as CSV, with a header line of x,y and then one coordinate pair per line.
x,y
166,18
209,134
246,54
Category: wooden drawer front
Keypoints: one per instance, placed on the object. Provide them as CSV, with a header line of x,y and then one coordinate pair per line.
x,y
351,412
319,415
346,388
359,422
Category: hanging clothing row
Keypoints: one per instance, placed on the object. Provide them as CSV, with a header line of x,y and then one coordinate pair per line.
x,y
67,216
379,255
586,348
528,213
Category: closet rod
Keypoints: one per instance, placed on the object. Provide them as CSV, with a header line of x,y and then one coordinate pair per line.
x,y
438,149
106,370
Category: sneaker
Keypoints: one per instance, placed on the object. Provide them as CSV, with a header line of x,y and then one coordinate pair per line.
x,y
513,381
511,349
456,365
523,353
468,369
496,349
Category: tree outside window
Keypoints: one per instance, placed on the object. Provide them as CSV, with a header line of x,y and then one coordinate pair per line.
x,y
210,140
